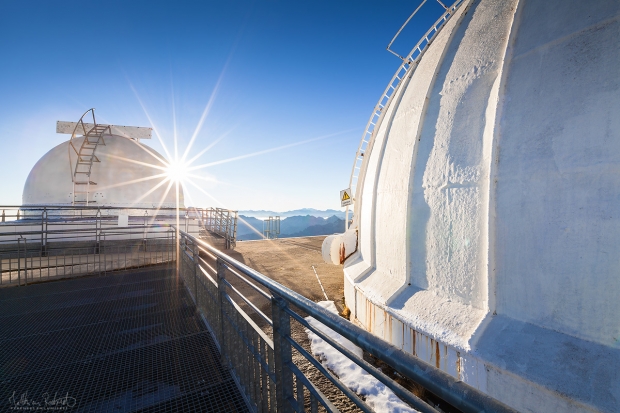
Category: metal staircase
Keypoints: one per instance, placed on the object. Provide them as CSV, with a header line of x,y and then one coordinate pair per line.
x,y
85,157
407,67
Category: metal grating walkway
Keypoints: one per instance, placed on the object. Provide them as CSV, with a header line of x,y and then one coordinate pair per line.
x,y
130,342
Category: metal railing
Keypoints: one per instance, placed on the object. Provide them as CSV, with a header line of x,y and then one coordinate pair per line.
x,y
410,62
271,227
13,218
82,251
38,243
252,318
221,222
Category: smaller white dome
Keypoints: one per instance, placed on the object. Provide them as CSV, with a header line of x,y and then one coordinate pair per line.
x,y
123,177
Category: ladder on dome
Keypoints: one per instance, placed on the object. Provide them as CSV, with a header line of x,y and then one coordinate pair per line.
x,y
407,67
86,157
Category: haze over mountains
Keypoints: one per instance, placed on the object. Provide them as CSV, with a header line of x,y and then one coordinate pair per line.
x,y
304,211
297,223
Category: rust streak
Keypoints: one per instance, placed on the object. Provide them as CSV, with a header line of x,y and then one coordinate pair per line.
x,y
458,365
437,354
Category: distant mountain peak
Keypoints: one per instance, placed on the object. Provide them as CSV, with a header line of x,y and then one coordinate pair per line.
x,y
261,213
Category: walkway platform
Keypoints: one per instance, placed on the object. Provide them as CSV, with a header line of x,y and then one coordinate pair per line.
x,y
123,342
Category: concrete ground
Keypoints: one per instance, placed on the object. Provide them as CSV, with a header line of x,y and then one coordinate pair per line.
x,y
289,261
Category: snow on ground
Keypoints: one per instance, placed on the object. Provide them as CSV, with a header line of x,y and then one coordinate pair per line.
x,y
377,395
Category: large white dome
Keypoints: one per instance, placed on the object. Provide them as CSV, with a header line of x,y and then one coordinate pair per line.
x,y
488,205
123,177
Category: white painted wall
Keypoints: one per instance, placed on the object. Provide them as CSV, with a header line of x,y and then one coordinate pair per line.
x,y
120,182
558,177
488,208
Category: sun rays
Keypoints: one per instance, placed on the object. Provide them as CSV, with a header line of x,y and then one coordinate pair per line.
x,y
176,173
180,168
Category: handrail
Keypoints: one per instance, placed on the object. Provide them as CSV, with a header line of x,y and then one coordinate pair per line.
x,y
81,251
401,29
136,228
443,385
411,61
36,207
221,222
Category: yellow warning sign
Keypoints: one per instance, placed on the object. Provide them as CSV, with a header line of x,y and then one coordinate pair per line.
x,y
345,197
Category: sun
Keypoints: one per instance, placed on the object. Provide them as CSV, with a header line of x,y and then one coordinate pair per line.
x,y
177,171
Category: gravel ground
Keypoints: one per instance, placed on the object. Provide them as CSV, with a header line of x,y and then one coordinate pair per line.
x,y
289,261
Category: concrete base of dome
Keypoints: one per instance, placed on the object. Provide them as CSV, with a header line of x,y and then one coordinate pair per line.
x,y
528,367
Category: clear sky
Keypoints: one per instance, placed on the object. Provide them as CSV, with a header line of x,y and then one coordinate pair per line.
x,y
266,74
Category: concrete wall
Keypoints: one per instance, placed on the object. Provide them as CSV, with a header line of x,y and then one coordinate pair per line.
x,y
488,213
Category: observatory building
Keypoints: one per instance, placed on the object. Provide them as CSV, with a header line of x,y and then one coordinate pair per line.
x,y
101,165
486,232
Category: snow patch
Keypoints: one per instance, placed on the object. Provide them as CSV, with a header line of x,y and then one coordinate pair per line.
x,y
378,395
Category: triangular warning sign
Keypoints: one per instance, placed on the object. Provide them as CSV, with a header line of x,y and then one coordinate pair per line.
x,y
345,197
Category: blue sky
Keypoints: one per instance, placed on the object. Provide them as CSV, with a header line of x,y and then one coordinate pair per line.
x,y
276,73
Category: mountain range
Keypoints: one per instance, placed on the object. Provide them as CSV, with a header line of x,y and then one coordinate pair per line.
x,y
251,228
302,212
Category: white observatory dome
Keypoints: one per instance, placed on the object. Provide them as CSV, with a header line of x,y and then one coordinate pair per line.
x,y
487,208
123,177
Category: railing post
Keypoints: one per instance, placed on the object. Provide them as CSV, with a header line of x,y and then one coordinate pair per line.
x,y
196,255
44,232
104,252
25,261
221,289
19,261
282,355
98,231
144,232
